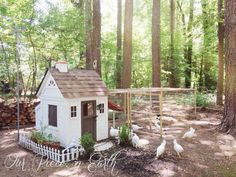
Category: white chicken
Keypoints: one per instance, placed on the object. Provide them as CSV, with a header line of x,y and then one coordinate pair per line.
x,y
135,127
189,134
157,126
72,146
135,140
161,149
131,133
177,147
114,132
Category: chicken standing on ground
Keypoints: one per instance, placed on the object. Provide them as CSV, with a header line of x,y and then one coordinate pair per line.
x,y
161,149
72,146
135,140
177,147
135,127
131,134
189,134
114,132
157,126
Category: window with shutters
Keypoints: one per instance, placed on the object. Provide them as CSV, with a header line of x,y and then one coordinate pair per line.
x,y
52,115
73,111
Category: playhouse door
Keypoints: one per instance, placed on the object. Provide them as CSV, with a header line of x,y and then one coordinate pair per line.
x,y
88,117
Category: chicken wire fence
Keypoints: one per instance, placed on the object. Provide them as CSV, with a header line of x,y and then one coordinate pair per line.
x,y
144,106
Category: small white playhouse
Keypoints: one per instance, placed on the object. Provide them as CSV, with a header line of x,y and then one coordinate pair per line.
x,y
72,103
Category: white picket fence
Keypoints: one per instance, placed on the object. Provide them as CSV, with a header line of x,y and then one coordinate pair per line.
x,y
51,153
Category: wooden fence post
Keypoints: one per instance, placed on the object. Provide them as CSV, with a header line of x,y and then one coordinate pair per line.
x,y
161,107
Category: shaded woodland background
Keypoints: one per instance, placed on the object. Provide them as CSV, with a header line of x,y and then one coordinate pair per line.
x,y
130,43
80,32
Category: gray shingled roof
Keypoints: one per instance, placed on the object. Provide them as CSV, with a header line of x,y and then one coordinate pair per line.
x,y
79,83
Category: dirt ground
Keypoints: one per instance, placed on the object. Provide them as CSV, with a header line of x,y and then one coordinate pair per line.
x,y
209,154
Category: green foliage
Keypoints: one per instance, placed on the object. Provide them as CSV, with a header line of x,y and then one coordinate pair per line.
x,y
87,143
203,100
183,99
227,170
124,134
57,33
50,138
39,137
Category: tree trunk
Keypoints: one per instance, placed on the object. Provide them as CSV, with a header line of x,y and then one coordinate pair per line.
x,y
188,71
172,65
127,44
220,85
88,34
207,60
119,44
156,58
35,64
96,33
6,62
80,5
200,87
187,33
229,120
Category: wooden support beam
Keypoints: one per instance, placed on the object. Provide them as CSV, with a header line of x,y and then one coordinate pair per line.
x,y
114,119
195,101
152,89
161,108
144,112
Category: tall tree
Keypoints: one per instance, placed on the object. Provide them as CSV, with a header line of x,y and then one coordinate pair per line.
x,y
188,45
172,66
119,44
207,23
220,85
189,52
96,36
229,118
127,44
6,63
93,35
88,33
80,5
156,58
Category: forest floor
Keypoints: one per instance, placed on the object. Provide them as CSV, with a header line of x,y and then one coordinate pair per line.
x,y
209,154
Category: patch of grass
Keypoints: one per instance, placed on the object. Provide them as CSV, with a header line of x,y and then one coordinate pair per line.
x,y
203,100
206,174
227,171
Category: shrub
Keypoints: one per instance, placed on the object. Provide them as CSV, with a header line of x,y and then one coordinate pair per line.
x,y
202,100
38,137
87,143
124,134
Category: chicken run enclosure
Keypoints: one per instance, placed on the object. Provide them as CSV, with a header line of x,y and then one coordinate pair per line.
x,y
144,106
